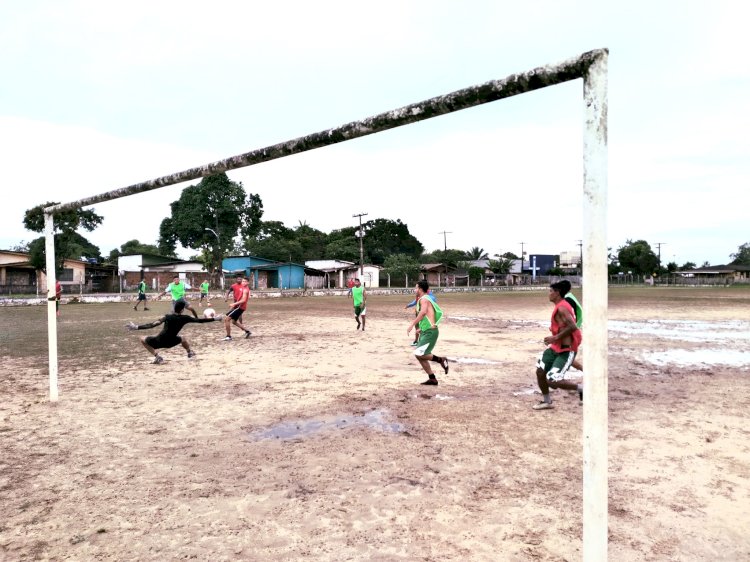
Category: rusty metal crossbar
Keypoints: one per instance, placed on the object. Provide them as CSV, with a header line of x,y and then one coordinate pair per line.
x,y
473,96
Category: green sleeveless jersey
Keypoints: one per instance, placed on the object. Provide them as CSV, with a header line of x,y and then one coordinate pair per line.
x,y
577,308
424,323
357,295
178,291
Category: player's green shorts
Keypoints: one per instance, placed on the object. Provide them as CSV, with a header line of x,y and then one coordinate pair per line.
x,y
554,364
427,341
359,310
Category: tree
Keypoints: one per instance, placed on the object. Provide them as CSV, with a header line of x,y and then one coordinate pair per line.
x,y
688,265
672,267
274,241
401,266
509,256
475,274
501,265
477,253
208,216
342,247
133,247
638,257
384,237
68,243
312,242
742,257
448,257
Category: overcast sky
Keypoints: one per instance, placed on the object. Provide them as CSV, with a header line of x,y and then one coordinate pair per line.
x,y
95,96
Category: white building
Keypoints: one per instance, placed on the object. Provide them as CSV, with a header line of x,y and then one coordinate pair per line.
x,y
341,271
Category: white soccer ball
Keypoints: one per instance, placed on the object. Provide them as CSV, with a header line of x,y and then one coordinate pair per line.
x,y
209,313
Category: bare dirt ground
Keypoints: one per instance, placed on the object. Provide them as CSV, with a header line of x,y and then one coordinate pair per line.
x,y
314,441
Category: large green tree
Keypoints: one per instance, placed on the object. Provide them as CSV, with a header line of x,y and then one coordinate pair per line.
x,y
638,257
384,237
343,245
68,243
208,216
742,257
274,241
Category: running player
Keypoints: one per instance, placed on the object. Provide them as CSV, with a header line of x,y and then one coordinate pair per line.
x,y
177,290
204,293
429,315
168,337
557,358
237,308
141,295
359,297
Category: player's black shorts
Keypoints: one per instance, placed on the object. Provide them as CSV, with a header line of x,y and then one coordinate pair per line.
x,y
236,314
141,296
163,342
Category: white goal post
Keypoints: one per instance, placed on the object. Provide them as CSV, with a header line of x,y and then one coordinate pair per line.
x,y
592,68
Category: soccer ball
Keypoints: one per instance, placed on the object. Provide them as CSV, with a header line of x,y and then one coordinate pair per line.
x,y
209,313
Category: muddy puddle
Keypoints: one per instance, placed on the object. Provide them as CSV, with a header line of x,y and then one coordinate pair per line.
x,y
378,420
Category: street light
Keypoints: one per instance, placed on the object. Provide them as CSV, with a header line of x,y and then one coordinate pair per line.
x,y
218,245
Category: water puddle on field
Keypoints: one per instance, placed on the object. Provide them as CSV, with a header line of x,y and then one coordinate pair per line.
x,y
472,361
733,331
686,357
297,429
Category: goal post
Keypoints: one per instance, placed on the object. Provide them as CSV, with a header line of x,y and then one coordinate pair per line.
x,y
592,68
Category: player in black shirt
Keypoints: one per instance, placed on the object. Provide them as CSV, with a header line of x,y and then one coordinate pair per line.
x,y
168,337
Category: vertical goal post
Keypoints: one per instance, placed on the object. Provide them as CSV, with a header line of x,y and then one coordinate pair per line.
x,y
592,68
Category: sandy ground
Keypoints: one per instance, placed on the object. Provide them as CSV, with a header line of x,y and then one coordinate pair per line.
x,y
314,441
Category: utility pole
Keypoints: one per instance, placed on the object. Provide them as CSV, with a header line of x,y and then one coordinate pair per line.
x,y
580,256
445,239
659,245
521,269
361,236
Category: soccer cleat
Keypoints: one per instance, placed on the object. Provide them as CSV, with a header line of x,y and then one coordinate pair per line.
x,y
228,338
247,333
158,360
430,382
191,354
136,308
414,344
543,406
144,308
580,395
444,364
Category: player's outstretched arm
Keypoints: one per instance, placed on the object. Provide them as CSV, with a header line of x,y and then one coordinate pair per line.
x,y
132,326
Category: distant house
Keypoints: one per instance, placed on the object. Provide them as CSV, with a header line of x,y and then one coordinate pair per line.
x,y
728,273
439,274
17,275
158,271
340,272
270,274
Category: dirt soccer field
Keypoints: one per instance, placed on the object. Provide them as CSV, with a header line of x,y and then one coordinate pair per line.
x,y
314,441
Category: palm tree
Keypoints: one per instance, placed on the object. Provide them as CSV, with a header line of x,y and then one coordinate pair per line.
x,y
477,253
